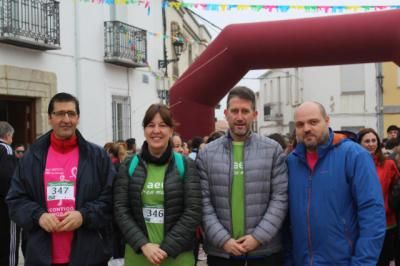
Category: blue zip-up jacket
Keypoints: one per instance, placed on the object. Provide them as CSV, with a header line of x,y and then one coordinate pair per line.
x,y
337,216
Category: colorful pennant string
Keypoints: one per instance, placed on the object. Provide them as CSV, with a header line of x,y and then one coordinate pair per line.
x,y
256,8
280,8
144,3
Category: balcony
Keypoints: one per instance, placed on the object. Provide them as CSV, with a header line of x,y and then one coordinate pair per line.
x,y
124,45
30,23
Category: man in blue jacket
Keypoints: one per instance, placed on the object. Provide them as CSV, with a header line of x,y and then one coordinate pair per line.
x,y
61,194
336,208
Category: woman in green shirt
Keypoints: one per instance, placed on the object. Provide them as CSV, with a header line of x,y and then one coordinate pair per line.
x,y
157,198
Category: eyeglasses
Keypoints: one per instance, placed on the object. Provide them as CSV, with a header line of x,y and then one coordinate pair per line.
x,y
61,114
19,151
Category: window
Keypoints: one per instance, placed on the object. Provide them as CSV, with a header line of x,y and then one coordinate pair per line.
x,y
353,129
121,117
267,112
352,79
145,79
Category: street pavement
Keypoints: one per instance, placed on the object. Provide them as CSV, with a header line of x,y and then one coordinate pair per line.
x,y
21,260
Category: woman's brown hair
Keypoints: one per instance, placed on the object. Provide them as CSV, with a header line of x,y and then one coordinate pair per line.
x,y
161,109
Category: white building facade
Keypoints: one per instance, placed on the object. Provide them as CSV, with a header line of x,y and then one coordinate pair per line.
x,y
348,92
106,55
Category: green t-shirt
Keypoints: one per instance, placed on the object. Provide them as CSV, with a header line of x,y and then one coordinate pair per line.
x,y
237,196
153,213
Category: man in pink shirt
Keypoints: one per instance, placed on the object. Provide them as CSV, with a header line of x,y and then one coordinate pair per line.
x,y
61,193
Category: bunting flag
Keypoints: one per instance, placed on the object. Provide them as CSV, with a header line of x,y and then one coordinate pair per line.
x,y
256,8
119,2
280,8
144,3
180,39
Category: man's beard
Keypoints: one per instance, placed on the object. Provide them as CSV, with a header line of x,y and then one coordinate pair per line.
x,y
314,146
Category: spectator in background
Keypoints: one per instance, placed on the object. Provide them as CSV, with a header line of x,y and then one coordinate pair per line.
x,y
395,156
8,229
177,144
389,146
117,152
19,150
122,152
113,154
185,147
215,135
392,132
387,174
280,139
131,146
107,146
292,142
195,147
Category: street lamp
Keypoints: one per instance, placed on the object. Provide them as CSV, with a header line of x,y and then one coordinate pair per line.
x,y
178,48
177,43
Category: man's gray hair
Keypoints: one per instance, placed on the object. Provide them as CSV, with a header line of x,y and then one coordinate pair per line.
x,y
5,129
321,108
244,93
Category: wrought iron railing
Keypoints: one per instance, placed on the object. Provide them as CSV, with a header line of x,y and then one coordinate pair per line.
x,y
30,23
124,44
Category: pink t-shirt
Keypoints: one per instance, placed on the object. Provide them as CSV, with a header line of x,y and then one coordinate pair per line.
x,y
60,193
312,158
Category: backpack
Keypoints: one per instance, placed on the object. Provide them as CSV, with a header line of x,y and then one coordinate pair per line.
x,y
394,196
179,163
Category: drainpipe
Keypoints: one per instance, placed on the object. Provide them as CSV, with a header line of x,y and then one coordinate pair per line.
x,y
379,98
164,18
77,50
165,56
130,102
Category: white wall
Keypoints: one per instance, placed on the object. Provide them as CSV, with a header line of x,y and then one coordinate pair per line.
x,y
324,85
80,68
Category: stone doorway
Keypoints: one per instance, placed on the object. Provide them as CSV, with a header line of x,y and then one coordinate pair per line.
x,y
20,113
24,97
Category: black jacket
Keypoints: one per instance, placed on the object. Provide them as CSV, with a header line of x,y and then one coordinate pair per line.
x,y
7,166
26,201
179,221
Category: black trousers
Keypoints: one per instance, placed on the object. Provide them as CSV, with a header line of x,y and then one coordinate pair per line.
x,y
273,260
118,243
9,240
388,252
67,264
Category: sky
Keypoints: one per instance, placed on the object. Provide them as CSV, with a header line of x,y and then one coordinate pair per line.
x,y
224,18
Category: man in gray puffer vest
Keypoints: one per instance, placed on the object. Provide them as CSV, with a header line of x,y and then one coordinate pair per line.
x,y
244,187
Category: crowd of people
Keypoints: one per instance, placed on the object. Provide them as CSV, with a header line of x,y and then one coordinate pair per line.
x,y
319,197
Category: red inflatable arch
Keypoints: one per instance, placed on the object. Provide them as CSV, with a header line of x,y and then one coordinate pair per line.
x,y
333,40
